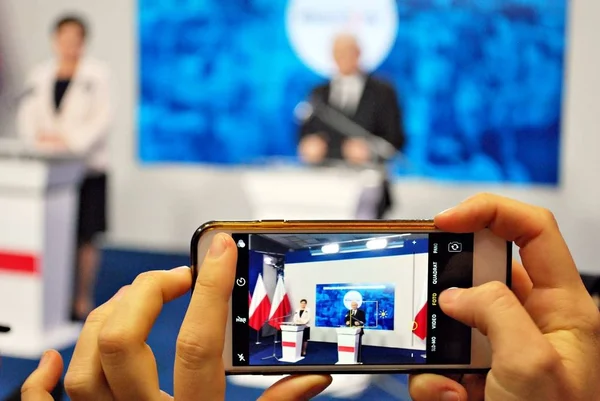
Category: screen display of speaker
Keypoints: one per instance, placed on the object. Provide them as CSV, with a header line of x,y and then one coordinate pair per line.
x,y
368,297
479,83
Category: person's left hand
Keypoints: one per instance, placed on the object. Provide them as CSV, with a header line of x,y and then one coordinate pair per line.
x,y
356,151
356,324
112,360
42,381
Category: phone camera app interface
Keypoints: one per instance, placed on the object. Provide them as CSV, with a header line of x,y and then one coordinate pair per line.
x,y
326,299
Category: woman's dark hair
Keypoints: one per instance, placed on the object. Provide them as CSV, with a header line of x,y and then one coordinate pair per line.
x,y
72,19
303,300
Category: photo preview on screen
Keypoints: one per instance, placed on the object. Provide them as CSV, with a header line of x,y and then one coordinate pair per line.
x,y
331,298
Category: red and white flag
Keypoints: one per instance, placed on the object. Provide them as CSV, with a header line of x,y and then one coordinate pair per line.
x,y
420,320
280,308
249,299
259,305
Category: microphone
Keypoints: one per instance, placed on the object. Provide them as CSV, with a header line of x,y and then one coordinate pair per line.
x,y
344,125
274,319
304,111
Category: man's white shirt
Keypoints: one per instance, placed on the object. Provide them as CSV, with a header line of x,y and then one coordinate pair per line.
x,y
346,91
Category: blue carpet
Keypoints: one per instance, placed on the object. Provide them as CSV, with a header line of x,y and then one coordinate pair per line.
x,y
119,268
321,353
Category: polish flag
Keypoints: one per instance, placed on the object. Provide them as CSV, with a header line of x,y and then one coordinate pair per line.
x,y
259,305
280,308
420,321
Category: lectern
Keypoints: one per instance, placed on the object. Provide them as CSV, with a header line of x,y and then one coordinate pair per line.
x,y
348,345
38,205
305,193
291,342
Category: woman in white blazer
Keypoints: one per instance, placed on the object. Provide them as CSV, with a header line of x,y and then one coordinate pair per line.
x,y
67,108
302,316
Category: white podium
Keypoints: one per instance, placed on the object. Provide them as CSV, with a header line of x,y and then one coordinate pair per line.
x,y
305,193
291,342
38,204
348,345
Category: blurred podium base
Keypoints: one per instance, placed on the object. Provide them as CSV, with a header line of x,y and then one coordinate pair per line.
x,y
308,193
38,205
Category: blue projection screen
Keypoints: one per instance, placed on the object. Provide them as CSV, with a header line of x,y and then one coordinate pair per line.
x,y
376,300
480,82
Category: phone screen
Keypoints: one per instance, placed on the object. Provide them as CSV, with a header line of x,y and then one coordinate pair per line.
x,y
370,299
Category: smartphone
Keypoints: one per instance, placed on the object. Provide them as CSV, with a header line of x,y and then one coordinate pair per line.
x,y
352,296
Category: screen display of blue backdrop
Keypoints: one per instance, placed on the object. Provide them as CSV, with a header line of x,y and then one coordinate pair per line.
x,y
376,300
479,81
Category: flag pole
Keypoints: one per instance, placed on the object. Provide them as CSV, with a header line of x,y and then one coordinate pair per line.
x,y
413,303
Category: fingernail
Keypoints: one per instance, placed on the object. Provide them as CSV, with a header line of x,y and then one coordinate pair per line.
x,y
450,396
451,295
180,269
44,359
446,211
217,247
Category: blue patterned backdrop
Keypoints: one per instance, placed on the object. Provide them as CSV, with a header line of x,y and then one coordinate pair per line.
x,y
480,83
377,303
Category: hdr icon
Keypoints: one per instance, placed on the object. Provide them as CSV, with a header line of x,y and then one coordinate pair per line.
x,y
240,319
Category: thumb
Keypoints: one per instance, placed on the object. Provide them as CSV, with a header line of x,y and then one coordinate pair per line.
x,y
297,388
496,312
42,381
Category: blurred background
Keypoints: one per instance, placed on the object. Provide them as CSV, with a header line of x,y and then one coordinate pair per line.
x,y
210,97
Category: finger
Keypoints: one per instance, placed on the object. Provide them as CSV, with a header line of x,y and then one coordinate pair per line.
x,y
543,250
296,388
85,378
475,386
429,387
127,361
496,312
521,283
199,371
42,381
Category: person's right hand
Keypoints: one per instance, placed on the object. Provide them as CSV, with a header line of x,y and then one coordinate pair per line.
x,y
50,141
545,336
312,149
112,360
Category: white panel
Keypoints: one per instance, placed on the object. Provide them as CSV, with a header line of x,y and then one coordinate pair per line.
x,y
21,222
21,306
22,174
302,279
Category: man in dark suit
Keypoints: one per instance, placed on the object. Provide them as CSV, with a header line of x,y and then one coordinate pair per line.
x,y
369,102
356,318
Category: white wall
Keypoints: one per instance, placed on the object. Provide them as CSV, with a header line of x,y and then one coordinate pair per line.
x,y
159,207
302,279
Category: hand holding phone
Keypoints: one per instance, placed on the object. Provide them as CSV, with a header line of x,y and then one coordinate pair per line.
x,y
544,333
545,350
113,361
373,286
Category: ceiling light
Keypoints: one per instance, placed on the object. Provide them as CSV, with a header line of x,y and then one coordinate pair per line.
x,y
330,248
379,243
